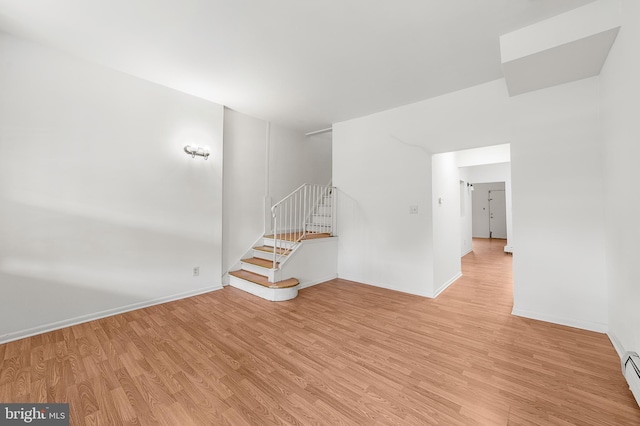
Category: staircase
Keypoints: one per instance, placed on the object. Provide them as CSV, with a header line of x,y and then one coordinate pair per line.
x,y
301,242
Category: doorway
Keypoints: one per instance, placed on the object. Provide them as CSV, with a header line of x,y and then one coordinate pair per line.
x,y
489,210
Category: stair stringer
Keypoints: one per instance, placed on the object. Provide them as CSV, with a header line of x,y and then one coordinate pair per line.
x,y
311,262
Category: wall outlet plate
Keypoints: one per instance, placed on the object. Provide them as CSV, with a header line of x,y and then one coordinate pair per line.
x,y
196,271
413,209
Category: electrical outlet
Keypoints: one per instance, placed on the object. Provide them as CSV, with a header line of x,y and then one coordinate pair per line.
x,y
413,209
196,271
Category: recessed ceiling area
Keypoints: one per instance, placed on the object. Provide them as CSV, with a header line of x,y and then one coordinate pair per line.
x,y
300,64
568,47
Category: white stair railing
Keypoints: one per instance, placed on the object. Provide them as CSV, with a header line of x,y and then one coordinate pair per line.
x,y
307,210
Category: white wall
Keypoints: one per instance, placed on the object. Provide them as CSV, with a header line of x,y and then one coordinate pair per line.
x,y
446,221
378,177
243,205
313,263
556,173
381,163
621,127
101,210
295,159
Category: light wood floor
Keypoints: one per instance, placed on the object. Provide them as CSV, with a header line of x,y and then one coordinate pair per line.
x,y
340,353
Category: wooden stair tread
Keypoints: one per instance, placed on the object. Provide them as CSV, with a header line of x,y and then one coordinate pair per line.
x,y
296,236
314,235
289,236
269,249
261,262
263,281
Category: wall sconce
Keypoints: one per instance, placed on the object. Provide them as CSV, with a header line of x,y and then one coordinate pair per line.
x,y
197,150
470,186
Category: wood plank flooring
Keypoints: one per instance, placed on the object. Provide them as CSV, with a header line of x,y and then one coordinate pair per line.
x,y
341,353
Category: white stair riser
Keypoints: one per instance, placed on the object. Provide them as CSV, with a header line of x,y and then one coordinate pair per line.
x,y
324,210
272,294
283,244
320,219
263,255
256,269
319,228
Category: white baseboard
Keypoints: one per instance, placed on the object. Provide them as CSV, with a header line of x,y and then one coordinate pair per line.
x,y
616,344
383,285
444,286
315,282
569,322
17,335
466,252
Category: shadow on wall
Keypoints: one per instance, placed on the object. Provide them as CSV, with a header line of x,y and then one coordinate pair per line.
x,y
58,266
29,302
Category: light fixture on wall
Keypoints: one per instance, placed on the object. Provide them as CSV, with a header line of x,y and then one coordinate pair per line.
x,y
197,150
470,186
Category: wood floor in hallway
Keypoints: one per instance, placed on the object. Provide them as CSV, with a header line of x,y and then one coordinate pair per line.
x,y
340,353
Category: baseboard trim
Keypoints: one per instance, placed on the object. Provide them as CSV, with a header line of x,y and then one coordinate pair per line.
x,y
45,328
569,322
316,282
466,252
444,286
617,344
382,285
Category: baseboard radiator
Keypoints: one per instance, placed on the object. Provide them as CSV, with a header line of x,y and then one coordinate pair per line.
x,y
631,371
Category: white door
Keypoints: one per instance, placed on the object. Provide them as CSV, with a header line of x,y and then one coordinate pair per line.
x,y
497,214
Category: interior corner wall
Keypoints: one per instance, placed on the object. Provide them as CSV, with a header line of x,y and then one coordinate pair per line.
x,y
243,205
378,178
556,173
621,151
102,211
446,220
382,165
295,159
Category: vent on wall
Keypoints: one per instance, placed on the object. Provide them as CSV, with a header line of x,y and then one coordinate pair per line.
x,y
631,371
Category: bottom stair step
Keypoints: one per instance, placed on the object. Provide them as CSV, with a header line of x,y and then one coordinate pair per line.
x,y
263,281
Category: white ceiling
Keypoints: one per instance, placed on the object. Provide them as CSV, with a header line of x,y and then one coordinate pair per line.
x,y
300,63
